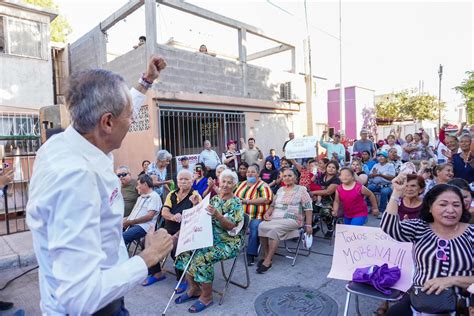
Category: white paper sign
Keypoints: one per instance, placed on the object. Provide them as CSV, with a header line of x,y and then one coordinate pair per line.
x,y
362,246
196,228
193,160
304,147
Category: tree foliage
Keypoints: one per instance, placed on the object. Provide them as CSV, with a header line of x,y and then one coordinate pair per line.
x,y
466,88
60,27
408,105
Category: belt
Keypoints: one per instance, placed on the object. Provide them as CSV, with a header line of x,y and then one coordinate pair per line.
x,y
111,308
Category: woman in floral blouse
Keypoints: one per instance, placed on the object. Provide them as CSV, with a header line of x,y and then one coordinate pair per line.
x,y
227,221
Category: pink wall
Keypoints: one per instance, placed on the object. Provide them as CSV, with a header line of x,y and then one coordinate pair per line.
x,y
350,106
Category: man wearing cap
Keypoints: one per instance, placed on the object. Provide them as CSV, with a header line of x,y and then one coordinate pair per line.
x,y
380,179
364,144
335,150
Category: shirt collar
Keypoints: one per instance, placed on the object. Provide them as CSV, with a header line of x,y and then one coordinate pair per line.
x,y
89,151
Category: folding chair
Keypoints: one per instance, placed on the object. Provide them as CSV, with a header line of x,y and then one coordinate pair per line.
x,y
140,243
296,251
242,251
368,291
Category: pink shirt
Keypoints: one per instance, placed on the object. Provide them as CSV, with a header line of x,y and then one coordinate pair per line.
x,y
353,201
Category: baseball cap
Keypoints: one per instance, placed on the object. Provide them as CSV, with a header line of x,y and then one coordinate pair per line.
x,y
364,131
337,134
230,142
357,154
382,153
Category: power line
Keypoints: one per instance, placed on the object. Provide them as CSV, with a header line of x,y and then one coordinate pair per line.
x,y
299,20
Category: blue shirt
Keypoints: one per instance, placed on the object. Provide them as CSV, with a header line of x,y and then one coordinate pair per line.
x,y
461,169
276,161
369,165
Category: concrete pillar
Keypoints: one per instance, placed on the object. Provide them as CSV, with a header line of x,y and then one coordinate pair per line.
x,y
243,58
150,24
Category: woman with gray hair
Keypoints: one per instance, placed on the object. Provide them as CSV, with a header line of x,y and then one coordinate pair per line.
x,y
157,171
227,222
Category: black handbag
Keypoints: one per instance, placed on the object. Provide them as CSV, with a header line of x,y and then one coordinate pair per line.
x,y
443,303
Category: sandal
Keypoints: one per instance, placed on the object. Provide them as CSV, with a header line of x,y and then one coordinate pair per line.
x,y
199,306
263,268
185,298
183,286
151,279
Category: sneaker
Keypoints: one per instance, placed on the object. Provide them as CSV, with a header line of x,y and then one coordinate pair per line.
x,y
250,260
263,268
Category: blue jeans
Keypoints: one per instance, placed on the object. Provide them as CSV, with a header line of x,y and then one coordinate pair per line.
x,y
385,193
133,233
254,242
357,221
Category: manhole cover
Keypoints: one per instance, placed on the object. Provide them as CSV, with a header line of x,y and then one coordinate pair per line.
x,y
295,300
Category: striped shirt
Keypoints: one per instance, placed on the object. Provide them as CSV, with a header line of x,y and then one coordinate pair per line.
x,y
252,192
459,251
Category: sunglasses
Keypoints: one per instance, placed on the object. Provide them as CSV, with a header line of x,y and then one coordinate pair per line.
x,y
441,252
121,175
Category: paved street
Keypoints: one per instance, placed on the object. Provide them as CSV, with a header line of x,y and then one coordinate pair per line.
x,y
308,272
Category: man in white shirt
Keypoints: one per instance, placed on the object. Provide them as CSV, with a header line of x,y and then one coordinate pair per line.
x,y
209,158
144,213
75,208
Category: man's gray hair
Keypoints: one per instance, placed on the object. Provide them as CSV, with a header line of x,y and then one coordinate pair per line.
x,y
184,172
227,173
93,93
219,167
163,155
124,168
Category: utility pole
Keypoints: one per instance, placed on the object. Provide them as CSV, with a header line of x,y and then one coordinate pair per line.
x,y
440,73
309,78
342,103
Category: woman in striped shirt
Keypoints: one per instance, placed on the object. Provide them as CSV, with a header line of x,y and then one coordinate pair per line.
x,y
256,197
443,241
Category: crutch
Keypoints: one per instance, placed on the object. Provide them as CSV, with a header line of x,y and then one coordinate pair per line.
x,y
179,282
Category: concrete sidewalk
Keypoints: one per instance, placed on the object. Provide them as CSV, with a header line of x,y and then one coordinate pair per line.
x,y
16,250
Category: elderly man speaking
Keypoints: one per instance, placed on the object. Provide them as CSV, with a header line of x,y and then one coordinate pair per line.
x,y
75,208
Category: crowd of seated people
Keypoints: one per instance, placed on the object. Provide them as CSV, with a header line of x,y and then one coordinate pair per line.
x,y
350,180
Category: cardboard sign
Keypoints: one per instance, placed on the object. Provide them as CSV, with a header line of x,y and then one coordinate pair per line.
x,y
304,147
362,246
193,160
196,228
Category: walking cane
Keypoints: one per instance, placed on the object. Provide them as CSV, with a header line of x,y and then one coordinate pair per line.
x,y
179,282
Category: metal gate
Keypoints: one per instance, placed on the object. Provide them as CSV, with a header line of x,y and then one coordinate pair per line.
x,y
183,131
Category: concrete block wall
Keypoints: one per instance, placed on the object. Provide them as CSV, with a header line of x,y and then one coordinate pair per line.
x,y
89,51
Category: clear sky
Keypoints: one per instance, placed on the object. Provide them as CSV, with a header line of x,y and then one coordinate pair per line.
x,y
387,46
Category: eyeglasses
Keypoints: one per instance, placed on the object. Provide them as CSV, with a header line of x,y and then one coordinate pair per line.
x,y
441,252
122,175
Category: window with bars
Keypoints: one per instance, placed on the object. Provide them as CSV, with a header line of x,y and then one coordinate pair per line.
x,y
19,131
22,37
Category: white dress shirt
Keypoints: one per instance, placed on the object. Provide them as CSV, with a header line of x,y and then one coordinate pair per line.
x,y
209,158
75,214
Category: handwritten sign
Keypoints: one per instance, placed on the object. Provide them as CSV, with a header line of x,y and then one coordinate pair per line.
x,y
361,246
193,160
304,147
196,228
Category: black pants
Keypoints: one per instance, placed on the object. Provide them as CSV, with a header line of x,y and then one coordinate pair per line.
x,y
115,308
157,268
